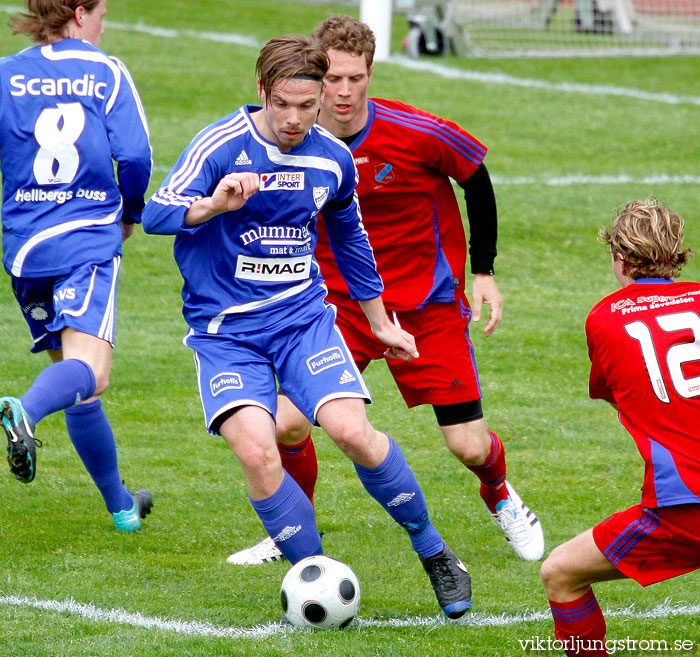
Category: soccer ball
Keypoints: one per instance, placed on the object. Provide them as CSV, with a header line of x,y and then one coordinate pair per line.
x,y
320,592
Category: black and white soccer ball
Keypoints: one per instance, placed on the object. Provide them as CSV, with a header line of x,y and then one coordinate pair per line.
x,y
320,592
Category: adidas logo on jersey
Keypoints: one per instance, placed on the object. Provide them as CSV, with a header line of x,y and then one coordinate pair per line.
x,y
243,159
346,377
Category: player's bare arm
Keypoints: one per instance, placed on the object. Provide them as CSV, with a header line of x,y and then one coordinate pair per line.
x,y
401,344
232,192
485,290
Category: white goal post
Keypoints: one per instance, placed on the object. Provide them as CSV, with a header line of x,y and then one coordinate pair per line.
x,y
377,14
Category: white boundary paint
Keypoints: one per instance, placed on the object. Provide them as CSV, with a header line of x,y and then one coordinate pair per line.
x,y
565,87
580,179
203,628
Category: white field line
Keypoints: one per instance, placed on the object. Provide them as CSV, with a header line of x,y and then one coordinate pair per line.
x,y
580,179
200,628
415,65
566,87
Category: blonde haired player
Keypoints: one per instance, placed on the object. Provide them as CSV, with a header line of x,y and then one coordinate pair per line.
x,y
644,346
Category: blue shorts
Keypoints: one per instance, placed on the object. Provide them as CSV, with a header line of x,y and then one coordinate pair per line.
x,y
307,354
84,300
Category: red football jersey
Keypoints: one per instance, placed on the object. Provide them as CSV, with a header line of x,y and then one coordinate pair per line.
x,y
644,345
405,158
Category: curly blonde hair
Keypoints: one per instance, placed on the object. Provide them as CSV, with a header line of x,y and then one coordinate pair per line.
x,y
347,34
649,236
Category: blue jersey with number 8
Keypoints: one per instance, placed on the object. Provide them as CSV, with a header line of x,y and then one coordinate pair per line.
x,y
67,113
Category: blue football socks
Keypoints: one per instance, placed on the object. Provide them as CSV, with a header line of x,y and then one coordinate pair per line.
x,y
393,484
289,519
59,386
92,437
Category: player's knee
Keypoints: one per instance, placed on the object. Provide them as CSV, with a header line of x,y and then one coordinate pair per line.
x,y
291,432
554,574
468,441
469,449
354,440
101,383
258,458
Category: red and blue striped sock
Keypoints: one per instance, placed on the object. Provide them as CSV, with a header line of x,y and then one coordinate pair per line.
x,y
492,474
580,626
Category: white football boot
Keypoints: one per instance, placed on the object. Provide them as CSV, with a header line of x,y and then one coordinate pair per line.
x,y
520,526
263,552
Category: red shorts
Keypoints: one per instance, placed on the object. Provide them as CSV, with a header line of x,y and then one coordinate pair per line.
x,y
651,545
445,371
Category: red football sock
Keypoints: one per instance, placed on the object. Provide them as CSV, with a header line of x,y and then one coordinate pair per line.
x,y
300,463
492,474
580,626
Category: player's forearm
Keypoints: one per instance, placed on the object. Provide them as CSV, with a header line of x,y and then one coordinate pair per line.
x,y
200,211
376,313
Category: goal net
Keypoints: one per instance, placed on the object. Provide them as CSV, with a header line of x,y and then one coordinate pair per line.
x,y
566,28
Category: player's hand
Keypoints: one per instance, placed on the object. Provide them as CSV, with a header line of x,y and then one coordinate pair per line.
x,y
127,231
402,345
484,290
233,191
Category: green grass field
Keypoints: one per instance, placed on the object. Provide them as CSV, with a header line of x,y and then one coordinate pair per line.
x,y
569,141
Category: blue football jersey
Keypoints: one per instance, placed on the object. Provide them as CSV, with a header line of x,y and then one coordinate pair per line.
x,y
250,268
67,113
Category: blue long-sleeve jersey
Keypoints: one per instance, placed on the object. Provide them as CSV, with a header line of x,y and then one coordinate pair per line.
x,y
251,268
67,111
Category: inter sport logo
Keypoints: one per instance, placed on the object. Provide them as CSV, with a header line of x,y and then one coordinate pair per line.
x,y
291,181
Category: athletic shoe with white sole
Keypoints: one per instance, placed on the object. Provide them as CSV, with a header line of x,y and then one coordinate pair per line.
x,y
129,520
263,552
451,582
520,526
21,444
